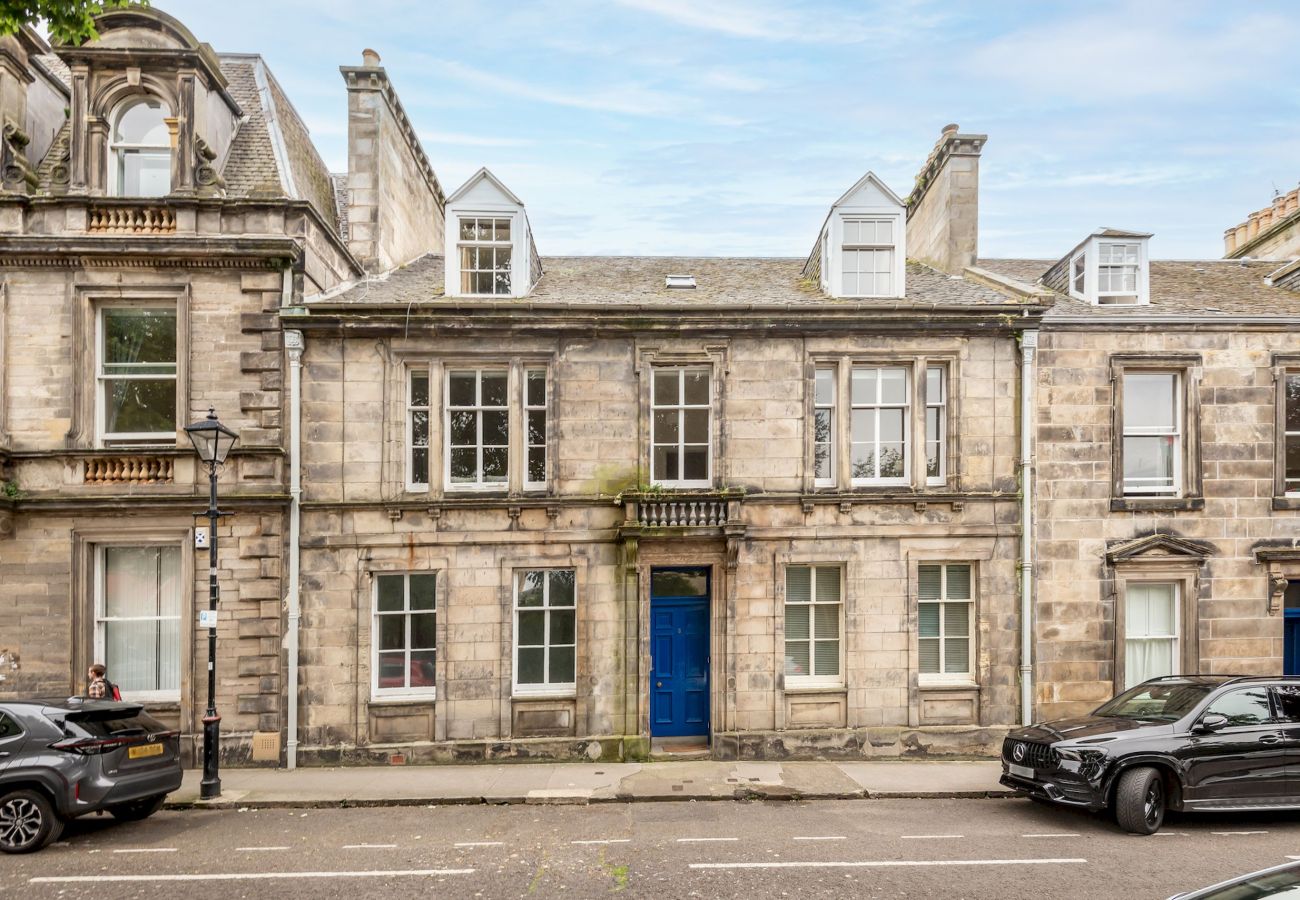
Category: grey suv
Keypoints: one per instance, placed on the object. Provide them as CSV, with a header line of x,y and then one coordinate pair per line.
x,y
60,759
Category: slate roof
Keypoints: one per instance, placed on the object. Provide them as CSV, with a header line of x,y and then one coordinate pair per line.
x,y
1226,288
723,281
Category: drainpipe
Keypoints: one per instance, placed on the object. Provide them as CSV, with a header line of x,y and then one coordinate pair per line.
x,y
294,344
1028,348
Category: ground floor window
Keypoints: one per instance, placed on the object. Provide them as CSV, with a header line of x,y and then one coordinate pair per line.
x,y
545,631
945,623
1150,631
405,634
813,612
138,619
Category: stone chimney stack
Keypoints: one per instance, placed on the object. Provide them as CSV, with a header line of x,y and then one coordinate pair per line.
x,y
1269,233
943,208
395,203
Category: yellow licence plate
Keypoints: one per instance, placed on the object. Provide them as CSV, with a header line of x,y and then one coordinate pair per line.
x,y
140,751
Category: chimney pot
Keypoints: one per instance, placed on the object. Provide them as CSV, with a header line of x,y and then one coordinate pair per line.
x,y
369,58
950,129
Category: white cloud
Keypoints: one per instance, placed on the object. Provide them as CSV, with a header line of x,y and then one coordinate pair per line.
x,y
626,99
788,23
472,140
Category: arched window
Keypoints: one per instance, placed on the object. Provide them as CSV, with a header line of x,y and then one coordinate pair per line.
x,y
140,152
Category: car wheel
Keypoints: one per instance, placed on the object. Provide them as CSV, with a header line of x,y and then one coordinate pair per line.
x,y
27,822
137,809
1140,801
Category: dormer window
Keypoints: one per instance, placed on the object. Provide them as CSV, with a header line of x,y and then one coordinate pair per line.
x,y
1117,272
868,257
140,150
485,255
1108,269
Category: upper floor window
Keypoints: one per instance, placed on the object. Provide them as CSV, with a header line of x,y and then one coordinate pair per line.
x,y
140,150
868,258
417,429
681,436
478,428
879,396
936,424
825,389
485,249
1290,449
1117,272
1153,433
137,374
535,428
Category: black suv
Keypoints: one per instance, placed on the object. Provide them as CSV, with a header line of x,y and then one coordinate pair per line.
x,y
64,758
1195,742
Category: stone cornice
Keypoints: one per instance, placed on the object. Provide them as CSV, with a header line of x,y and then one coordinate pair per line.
x,y
132,251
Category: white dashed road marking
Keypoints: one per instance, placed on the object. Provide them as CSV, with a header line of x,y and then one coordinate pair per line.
x,y
1061,834
1227,833
479,844
928,837
605,841
704,840
256,849
887,863
827,837
247,876
369,846
148,850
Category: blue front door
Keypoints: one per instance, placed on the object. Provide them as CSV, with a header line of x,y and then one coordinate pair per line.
x,y
679,652
1291,630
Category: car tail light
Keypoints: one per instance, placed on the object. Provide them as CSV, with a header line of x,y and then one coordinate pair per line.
x,y
89,746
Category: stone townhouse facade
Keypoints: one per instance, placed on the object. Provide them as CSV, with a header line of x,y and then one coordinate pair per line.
x,y
489,504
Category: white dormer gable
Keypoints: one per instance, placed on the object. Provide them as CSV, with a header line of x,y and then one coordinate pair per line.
x,y
489,244
863,244
1109,268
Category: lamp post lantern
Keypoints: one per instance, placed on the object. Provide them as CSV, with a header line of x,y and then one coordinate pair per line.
x,y
213,441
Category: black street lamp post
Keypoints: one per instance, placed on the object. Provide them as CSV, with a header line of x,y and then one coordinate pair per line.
x,y
213,441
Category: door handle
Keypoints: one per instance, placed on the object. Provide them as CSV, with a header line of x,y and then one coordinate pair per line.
x,y
1271,739
657,684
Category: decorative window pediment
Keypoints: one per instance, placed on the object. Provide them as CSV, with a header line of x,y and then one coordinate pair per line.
x,y
1158,547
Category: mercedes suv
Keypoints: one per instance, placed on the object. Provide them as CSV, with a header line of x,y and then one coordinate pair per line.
x,y
1188,743
64,758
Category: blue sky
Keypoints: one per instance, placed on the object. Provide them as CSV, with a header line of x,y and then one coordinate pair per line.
x,y
727,127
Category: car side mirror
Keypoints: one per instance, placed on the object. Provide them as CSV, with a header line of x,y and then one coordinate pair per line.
x,y
1211,723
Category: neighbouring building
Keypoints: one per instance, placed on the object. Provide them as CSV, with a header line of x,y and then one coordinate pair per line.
x,y
883,499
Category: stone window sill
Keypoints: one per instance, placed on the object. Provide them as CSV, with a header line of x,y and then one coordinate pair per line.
x,y
947,686
817,689
1144,504
416,700
1288,501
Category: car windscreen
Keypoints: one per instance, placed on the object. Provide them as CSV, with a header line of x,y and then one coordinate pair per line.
x,y
1163,701
1283,885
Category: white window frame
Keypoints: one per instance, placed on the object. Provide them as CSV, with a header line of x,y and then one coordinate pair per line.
x,y
101,599
102,379
832,460
874,247
941,439
1176,488
680,407
526,438
796,682
547,688
413,482
1078,286
943,601
388,693
116,149
1123,267
478,408
1290,485
475,243
876,406
1176,654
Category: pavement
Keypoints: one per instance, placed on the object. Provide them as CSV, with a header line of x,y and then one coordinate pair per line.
x,y
587,783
